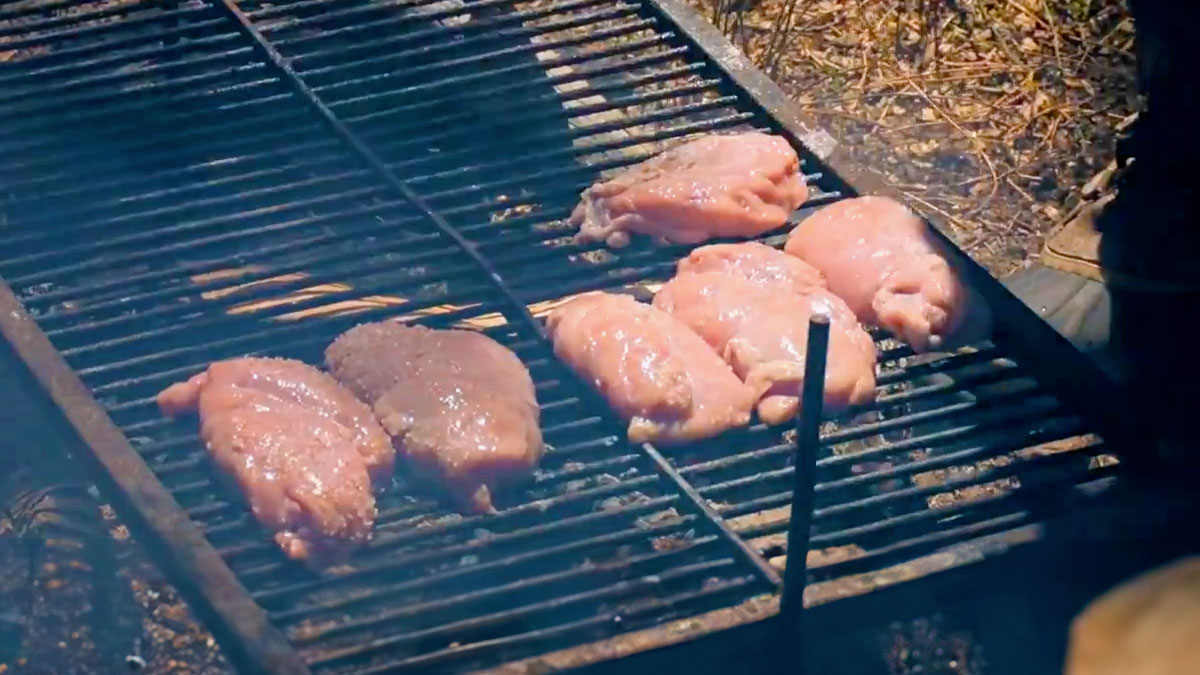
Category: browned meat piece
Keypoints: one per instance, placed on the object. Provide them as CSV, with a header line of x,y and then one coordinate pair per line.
x,y
654,371
460,408
762,331
721,185
301,448
878,256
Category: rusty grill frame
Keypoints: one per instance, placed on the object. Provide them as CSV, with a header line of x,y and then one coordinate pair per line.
x,y
482,269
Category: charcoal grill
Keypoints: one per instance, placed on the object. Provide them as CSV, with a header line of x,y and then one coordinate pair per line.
x,y
189,181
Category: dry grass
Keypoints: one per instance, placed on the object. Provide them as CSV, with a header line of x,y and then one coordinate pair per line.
x,y
987,113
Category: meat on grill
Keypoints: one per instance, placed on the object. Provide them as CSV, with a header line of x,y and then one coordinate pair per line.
x,y
655,372
460,407
301,448
757,263
762,332
879,257
732,185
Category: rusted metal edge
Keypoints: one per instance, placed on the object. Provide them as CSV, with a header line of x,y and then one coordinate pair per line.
x,y
1065,370
831,606
251,643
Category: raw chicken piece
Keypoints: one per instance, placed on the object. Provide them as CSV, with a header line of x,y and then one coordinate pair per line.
x,y
878,256
754,262
654,371
460,407
762,332
734,185
301,448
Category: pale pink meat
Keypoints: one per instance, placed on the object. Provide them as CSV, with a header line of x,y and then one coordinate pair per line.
x,y
879,257
762,332
721,185
301,448
754,262
459,406
655,372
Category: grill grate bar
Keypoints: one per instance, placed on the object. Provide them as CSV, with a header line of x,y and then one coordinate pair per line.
x,y
593,148
576,133
602,569
463,294
291,246
414,282
149,236
617,589
315,161
114,58
464,80
165,212
645,608
1063,428
53,91
147,106
934,534
577,75
382,568
507,18
81,31
536,104
451,578
324,6
215,78
117,42
9,14
82,162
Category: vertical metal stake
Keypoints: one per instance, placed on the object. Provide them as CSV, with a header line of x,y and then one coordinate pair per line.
x,y
808,442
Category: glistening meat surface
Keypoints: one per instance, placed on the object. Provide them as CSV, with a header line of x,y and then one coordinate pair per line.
x,y
757,263
460,407
721,185
655,372
300,447
762,332
878,256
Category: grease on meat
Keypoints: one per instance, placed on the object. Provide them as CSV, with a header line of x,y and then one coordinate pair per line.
x,y
879,257
761,330
301,448
727,185
460,407
655,372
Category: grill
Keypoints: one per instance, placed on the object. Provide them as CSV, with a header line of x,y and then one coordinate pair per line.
x,y
190,181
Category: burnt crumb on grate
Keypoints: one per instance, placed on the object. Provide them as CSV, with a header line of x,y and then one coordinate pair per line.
x,y
619,502
658,519
674,541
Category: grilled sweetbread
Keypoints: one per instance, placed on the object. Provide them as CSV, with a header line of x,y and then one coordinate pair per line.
x,y
460,407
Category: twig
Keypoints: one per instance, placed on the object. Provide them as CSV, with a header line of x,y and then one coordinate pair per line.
x,y
1023,193
1053,33
973,139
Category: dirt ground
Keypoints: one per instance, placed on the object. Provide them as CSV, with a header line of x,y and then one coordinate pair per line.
x,y
989,113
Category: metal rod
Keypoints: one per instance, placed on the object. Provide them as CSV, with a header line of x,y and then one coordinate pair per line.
x,y
808,443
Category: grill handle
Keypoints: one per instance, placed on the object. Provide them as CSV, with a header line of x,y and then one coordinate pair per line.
x,y
808,443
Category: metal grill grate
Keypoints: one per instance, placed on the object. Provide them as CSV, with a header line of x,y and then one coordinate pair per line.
x,y
184,182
